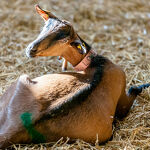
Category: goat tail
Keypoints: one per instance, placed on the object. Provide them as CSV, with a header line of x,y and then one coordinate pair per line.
x,y
136,90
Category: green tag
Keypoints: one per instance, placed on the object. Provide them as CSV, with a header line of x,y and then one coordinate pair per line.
x,y
27,123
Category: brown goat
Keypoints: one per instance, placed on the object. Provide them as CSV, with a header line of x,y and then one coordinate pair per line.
x,y
70,104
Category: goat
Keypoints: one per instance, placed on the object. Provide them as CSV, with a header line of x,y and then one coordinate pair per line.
x,y
79,104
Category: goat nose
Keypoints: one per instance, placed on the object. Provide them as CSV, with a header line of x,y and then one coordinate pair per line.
x,y
31,50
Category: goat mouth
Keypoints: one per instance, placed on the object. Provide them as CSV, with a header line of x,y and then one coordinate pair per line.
x,y
39,53
31,56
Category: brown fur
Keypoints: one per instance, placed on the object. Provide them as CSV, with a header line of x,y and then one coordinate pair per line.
x,y
87,120
93,117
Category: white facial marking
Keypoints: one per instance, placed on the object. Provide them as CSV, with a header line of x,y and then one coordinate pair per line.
x,y
50,24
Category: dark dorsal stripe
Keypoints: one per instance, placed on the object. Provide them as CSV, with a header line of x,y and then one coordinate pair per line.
x,y
97,62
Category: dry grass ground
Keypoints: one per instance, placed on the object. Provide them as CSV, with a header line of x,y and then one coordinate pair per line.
x,y
118,29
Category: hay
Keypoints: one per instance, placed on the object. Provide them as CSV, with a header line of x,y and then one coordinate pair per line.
x,y
117,29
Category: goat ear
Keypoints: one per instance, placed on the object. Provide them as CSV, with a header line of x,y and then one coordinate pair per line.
x,y
44,14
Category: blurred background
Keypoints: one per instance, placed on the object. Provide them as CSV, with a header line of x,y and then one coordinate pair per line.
x,y
117,29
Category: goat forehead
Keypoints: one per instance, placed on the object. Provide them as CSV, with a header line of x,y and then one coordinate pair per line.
x,y
50,26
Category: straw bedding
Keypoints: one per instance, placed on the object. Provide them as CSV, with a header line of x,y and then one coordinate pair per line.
x,y
117,29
